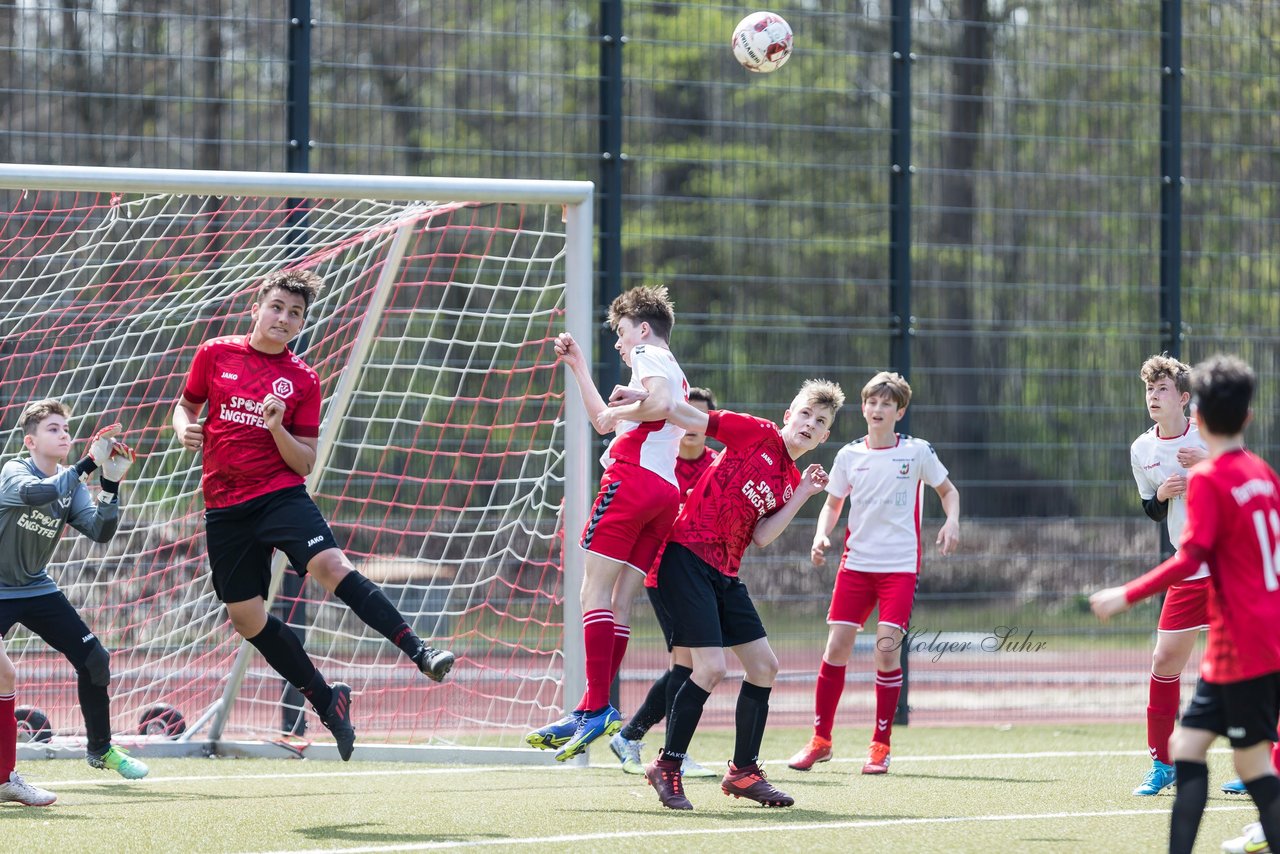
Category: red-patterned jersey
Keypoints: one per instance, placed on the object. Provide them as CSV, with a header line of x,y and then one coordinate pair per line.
x,y
687,474
750,479
241,460
1233,524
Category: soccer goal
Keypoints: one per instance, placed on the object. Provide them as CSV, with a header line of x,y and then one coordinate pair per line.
x,y
446,465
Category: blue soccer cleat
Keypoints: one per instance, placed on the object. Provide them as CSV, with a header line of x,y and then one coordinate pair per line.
x,y
591,727
555,734
1159,778
1234,787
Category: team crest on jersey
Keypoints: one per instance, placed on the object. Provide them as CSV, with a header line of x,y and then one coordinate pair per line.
x,y
282,387
904,469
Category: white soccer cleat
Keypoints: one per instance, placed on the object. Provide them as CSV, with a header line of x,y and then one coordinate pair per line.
x,y
19,791
1252,842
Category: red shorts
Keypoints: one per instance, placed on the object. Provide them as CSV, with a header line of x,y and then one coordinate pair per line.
x,y
632,515
858,592
1186,607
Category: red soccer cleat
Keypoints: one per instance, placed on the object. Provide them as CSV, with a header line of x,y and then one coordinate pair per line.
x,y
877,759
817,750
750,783
664,776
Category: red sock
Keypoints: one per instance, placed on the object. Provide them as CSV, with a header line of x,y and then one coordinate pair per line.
x,y
621,636
1162,713
8,736
597,638
888,689
830,687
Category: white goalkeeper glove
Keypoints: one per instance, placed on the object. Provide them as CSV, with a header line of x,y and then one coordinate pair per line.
x,y
115,466
101,444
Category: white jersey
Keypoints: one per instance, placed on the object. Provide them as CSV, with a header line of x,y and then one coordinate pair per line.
x,y
885,487
1154,459
651,444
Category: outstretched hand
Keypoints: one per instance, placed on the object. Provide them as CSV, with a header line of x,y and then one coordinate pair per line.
x,y
1109,602
100,443
813,481
117,464
568,350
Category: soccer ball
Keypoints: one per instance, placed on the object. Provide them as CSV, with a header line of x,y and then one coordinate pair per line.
x,y
762,42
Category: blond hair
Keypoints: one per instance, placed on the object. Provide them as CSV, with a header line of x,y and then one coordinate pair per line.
x,y
888,384
304,283
815,393
1163,367
36,412
651,305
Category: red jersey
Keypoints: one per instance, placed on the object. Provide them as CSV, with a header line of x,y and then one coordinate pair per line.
x,y
687,474
1233,525
750,479
241,460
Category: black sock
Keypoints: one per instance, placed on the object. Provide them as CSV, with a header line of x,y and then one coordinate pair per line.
x,y
752,712
1265,792
284,652
686,711
370,604
95,704
652,710
678,675
1188,805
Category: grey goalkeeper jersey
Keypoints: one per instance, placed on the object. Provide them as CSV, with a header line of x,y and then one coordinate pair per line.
x,y
34,508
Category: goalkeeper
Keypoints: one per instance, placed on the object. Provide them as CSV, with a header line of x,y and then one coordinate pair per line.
x,y
259,444
38,498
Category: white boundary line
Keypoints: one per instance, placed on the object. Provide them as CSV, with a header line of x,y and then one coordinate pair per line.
x,y
807,827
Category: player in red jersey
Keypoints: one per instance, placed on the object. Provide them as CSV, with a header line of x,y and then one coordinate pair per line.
x,y
751,493
634,509
1233,525
883,475
694,459
259,443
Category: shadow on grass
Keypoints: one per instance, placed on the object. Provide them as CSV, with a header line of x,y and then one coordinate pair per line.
x,y
721,811
56,812
980,779
363,833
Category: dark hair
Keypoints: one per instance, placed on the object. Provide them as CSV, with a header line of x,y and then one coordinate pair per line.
x,y
705,395
38,411
304,283
645,305
1222,389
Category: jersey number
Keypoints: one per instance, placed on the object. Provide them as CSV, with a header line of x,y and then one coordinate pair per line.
x,y
1268,542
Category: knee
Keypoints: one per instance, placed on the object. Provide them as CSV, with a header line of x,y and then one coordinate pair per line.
x,y
8,676
97,666
1166,663
329,568
763,672
886,660
708,676
839,648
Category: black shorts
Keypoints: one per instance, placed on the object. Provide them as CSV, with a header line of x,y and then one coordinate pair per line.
x,y
54,620
705,607
240,539
1245,712
664,621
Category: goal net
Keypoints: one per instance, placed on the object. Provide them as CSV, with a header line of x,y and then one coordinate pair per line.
x,y
441,465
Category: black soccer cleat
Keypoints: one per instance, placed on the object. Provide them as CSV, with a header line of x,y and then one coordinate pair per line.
x,y
338,720
435,663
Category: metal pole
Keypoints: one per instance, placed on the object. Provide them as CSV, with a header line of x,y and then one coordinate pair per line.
x,y
900,169
1171,73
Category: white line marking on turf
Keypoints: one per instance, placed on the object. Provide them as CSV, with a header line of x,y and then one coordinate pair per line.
x,y
807,827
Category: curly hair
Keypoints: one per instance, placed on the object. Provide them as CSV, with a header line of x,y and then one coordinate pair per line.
x,y
304,283
650,305
1165,366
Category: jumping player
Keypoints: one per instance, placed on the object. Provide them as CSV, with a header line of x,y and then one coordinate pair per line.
x,y
38,498
259,444
1233,525
884,474
634,509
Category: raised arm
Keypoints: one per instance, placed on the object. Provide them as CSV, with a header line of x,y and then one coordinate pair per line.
x,y
571,354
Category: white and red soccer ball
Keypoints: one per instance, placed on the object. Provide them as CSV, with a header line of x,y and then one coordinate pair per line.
x,y
762,42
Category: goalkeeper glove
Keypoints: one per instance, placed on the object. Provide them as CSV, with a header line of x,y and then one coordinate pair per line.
x,y
115,466
101,444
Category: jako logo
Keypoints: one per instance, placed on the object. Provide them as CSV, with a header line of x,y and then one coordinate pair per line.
x,y
314,540
87,638
227,375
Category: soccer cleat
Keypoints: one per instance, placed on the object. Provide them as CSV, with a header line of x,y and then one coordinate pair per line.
x,y
817,750
435,663
337,719
628,752
750,783
1234,787
664,776
1159,778
692,770
19,791
555,734
119,761
877,759
590,727
1252,842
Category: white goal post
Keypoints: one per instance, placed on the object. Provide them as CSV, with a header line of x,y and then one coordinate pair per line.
x,y
453,462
